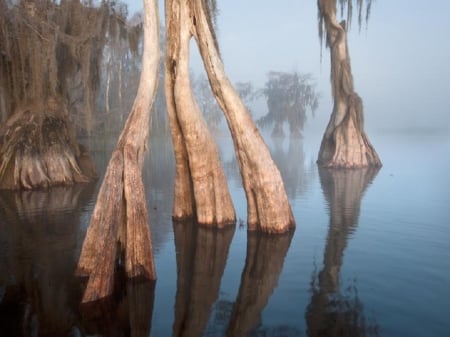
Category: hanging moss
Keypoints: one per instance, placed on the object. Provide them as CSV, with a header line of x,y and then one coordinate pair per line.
x,y
50,61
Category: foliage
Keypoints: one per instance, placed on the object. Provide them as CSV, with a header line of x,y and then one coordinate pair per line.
x,y
288,95
345,5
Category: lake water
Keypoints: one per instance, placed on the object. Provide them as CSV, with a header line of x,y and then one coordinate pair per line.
x,y
370,255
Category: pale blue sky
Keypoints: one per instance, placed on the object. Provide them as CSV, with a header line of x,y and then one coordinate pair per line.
x,y
400,61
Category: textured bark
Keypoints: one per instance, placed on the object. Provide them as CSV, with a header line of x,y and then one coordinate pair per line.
x,y
201,257
331,312
263,265
121,199
201,189
268,208
344,144
38,149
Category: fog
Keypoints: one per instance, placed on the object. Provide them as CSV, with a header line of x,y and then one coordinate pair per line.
x,y
399,59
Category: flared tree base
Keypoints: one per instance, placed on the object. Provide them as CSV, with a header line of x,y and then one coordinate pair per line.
x,y
347,145
37,151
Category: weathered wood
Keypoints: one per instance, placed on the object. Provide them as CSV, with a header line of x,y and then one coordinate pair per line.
x,y
204,195
98,255
121,199
268,208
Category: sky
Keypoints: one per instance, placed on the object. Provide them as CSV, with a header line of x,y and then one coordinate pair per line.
x,y
400,62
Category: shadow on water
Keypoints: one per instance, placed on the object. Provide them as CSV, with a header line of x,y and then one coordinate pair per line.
x,y
40,241
332,311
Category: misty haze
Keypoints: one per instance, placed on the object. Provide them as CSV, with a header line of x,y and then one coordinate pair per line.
x,y
301,189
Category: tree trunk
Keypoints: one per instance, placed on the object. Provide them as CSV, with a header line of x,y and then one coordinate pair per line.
x,y
344,143
38,149
268,208
201,189
121,200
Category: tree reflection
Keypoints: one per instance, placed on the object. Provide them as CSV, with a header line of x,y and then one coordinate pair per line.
x,y
201,257
40,237
263,265
332,312
42,231
128,313
297,174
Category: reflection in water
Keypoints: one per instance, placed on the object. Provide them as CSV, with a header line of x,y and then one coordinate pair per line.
x,y
129,313
331,312
263,265
40,237
201,257
291,162
42,232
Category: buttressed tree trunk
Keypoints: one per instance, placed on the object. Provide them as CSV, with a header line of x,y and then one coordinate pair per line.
x,y
121,204
50,55
201,189
344,143
38,149
268,208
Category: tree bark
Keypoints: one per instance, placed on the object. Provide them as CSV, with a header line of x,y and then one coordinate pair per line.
x,y
268,208
344,144
121,199
201,189
38,149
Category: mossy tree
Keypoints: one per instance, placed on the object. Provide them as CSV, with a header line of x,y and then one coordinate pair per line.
x,y
345,143
50,60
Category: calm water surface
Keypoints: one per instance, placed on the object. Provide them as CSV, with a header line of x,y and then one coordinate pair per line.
x,y
370,255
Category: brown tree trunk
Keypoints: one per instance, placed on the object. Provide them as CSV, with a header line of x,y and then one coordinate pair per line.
x,y
121,200
344,143
201,189
38,149
268,208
